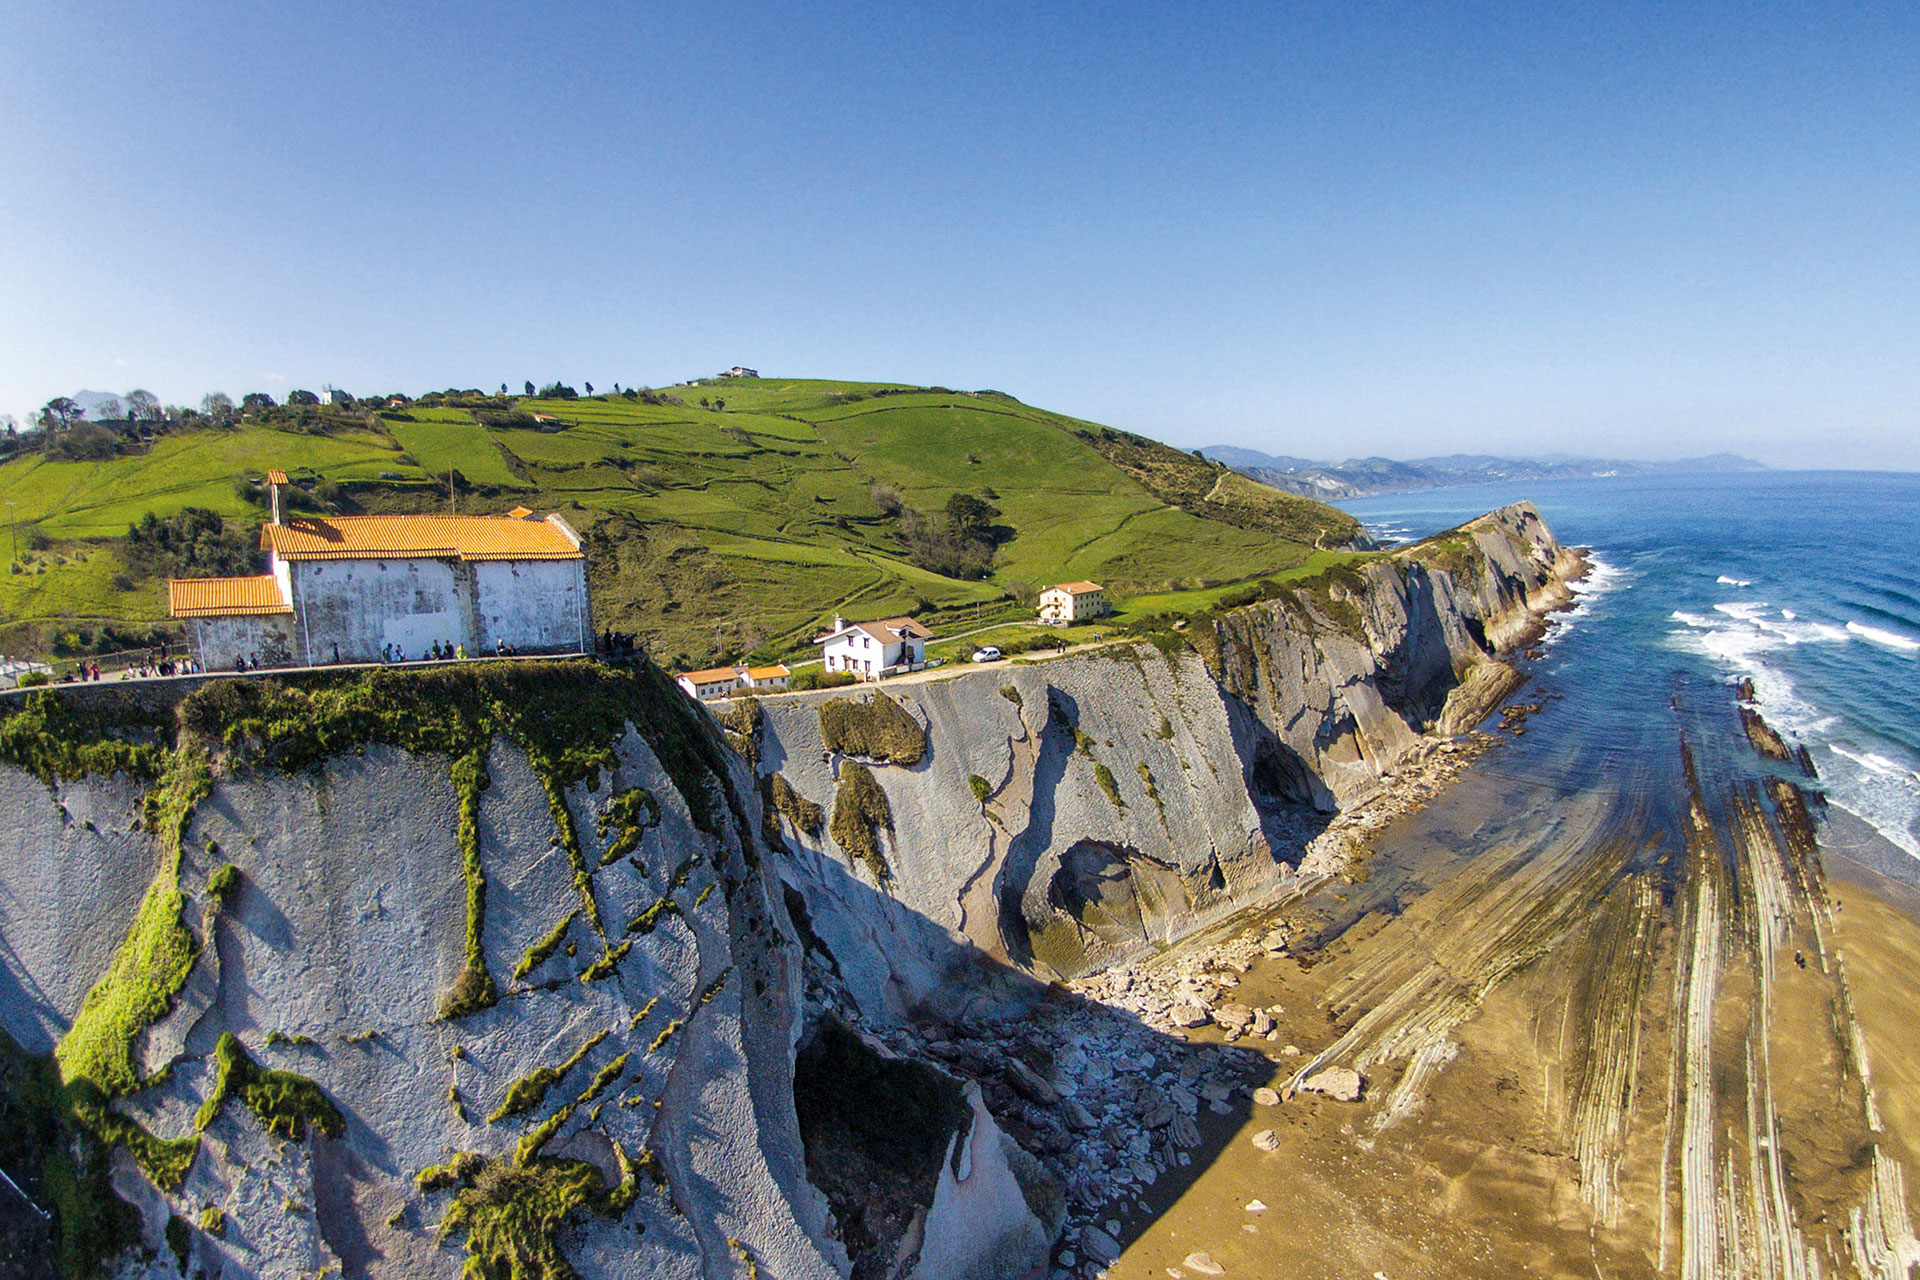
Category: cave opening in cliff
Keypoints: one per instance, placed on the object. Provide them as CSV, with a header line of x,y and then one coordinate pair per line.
x,y
875,1129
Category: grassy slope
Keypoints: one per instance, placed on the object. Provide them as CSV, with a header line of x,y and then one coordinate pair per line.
x,y
712,532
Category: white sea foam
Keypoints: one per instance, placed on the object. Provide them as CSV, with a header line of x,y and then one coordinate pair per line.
x,y
1880,790
1891,639
1737,635
1725,581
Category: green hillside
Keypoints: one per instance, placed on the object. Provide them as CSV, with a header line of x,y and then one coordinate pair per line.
x,y
714,530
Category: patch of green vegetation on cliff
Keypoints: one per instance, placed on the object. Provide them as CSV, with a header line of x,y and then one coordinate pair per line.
x,y
51,738
980,787
603,1079
570,841
804,814
608,962
530,1090
875,728
223,886
629,814
742,725
859,809
285,1103
153,963
508,1212
538,954
1153,791
650,917
1104,776
474,989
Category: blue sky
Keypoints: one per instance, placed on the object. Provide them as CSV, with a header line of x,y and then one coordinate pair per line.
x,y
1327,230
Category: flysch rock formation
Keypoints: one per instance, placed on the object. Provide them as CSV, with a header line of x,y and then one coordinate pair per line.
x,y
1069,814
688,983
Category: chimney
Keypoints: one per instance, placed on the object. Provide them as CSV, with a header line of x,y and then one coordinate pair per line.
x,y
274,480
839,623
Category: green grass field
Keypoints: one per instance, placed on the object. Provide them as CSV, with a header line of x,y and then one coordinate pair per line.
x,y
715,533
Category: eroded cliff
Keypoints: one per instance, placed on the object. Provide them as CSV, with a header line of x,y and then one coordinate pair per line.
x,y
536,969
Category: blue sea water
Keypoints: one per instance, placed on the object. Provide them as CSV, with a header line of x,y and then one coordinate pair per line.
x,y
1806,582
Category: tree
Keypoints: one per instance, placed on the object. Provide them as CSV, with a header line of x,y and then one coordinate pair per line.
x,y
7,421
888,499
529,388
503,388
217,405
971,517
108,409
256,400
302,397
60,413
588,386
143,406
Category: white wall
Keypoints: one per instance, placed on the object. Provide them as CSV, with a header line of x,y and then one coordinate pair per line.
x,y
534,604
363,605
218,641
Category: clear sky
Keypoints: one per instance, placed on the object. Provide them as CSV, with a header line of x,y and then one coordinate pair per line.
x,y
1330,230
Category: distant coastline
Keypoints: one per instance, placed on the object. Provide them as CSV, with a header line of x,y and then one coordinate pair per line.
x,y
1366,477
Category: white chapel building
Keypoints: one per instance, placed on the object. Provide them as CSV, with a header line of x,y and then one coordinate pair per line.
x,y
371,588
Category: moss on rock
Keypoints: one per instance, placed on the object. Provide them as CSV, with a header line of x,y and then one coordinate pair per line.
x,y
860,810
875,728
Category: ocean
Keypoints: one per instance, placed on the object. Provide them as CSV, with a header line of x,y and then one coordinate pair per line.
x,y
1808,583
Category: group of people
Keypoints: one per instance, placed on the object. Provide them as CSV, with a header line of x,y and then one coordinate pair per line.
x,y
618,644
156,664
438,651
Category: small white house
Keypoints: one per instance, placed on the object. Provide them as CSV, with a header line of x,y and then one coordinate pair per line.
x,y
724,682
741,371
871,650
1073,602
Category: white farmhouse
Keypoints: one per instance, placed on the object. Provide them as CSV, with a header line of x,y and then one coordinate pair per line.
x,y
871,650
1073,602
724,682
371,588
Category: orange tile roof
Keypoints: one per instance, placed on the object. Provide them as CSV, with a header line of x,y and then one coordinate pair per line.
x,y
413,537
767,673
1077,588
224,597
712,675
276,477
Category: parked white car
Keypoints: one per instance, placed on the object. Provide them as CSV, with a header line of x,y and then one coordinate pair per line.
x,y
986,653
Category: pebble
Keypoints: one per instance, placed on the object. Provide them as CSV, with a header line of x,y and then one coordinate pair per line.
x,y
1256,1206
1266,1097
1267,1140
1205,1265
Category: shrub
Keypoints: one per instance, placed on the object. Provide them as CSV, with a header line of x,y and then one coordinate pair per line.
x,y
980,786
224,885
803,813
860,809
875,729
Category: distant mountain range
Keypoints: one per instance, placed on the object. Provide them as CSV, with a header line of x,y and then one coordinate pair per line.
x,y
1359,477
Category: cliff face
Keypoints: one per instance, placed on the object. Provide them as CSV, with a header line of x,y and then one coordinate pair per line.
x,y
331,1001
1070,813
522,966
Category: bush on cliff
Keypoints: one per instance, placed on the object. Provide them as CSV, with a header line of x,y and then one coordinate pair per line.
x,y
876,729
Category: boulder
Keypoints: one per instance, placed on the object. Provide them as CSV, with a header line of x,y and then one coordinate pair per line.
x,y
1189,1014
1267,1140
1235,1018
1030,1084
1266,1097
1077,1114
1184,1132
1204,1264
1100,1246
1262,1023
1342,1084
